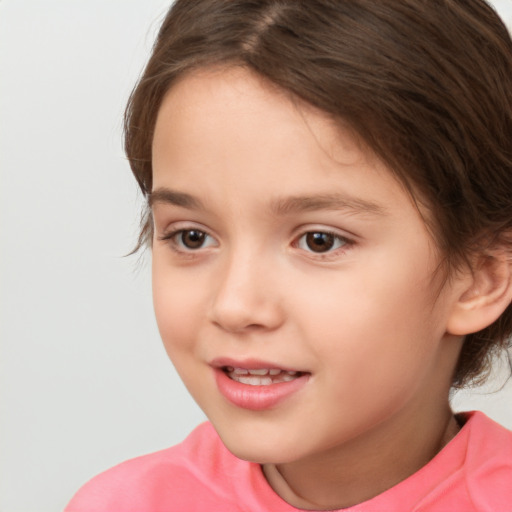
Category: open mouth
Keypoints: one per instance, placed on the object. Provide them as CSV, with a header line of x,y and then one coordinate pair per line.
x,y
260,376
260,387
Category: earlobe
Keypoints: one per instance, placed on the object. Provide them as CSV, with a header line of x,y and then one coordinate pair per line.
x,y
484,299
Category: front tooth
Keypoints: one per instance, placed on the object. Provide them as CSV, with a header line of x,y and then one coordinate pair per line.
x,y
262,371
274,372
241,371
255,381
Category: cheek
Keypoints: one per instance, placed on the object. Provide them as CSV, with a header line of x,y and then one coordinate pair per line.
x,y
374,324
178,306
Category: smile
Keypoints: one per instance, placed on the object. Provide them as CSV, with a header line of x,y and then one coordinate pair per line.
x,y
255,385
260,376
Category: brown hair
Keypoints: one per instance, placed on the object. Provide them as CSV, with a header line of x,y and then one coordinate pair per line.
x,y
426,84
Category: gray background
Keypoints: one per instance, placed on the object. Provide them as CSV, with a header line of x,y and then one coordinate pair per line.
x,y
85,382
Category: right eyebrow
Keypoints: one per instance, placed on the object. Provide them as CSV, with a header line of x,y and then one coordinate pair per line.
x,y
167,196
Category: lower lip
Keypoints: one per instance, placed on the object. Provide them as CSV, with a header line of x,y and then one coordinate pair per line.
x,y
257,398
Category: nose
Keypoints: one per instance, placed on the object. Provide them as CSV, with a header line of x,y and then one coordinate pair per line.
x,y
246,296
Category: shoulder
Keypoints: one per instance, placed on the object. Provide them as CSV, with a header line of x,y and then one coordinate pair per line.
x,y
196,470
488,465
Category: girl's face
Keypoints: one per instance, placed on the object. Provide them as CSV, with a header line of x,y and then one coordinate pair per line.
x,y
281,244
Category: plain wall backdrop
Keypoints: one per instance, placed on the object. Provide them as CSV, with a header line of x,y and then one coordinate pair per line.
x,y
84,380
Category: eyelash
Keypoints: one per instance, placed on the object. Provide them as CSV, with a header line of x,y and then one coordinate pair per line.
x,y
339,242
171,237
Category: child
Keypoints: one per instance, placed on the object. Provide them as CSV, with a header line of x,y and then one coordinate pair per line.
x,y
329,189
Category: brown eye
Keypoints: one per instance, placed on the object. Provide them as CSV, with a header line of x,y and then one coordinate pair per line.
x,y
321,241
189,240
192,238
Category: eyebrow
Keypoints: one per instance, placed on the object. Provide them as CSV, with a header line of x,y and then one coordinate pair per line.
x,y
167,196
334,201
280,206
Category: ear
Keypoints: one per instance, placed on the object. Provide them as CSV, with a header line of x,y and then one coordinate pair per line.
x,y
486,293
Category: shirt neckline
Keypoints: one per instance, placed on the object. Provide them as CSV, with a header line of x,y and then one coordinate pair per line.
x,y
403,496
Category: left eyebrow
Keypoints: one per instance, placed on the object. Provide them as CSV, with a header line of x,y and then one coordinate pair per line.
x,y
298,204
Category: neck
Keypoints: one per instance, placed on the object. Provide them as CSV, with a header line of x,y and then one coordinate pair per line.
x,y
367,466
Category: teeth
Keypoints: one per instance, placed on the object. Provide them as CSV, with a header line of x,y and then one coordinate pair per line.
x,y
259,371
260,376
262,371
255,381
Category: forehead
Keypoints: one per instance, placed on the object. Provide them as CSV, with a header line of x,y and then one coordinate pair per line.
x,y
219,127
234,95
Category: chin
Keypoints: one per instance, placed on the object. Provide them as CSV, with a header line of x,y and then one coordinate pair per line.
x,y
258,448
259,455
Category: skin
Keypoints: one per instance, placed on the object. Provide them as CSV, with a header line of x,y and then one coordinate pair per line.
x,y
368,319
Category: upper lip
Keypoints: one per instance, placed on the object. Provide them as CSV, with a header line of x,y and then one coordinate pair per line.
x,y
251,364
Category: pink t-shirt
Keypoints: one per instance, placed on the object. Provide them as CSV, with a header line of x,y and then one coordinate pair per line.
x,y
472,473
